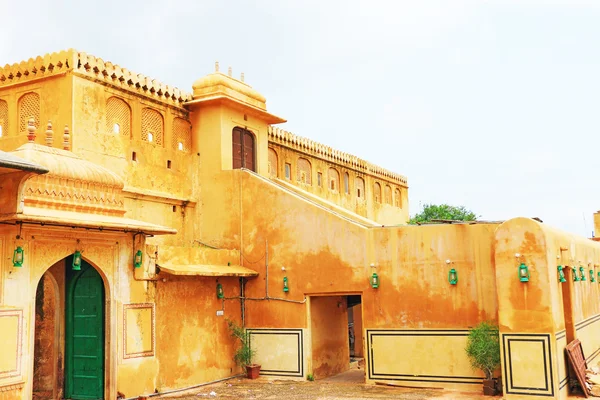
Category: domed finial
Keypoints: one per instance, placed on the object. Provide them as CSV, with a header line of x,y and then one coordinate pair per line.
x,y
31,129
229,71
216,66
49,134
242,77
66,145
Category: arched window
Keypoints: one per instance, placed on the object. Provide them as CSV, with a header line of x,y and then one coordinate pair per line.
x,y
182,135
397,198
377,192
304,171
29,106
273,164
333,179
243,149
388,195
346,183
152,126
3,118
118,117
360,187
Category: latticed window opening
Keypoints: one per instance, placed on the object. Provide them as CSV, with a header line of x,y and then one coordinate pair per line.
x,y
304,171
29,106
397,198
334,179
118,117
273,163
388,194
3,118
182,135
346,183
152,126
377,192
360,187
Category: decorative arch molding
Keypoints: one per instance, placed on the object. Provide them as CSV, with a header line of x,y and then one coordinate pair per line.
x,y
28,106
118,114
273,163
103,254
304,171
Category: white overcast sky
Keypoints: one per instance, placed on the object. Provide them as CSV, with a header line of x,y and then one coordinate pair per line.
x,y
493,105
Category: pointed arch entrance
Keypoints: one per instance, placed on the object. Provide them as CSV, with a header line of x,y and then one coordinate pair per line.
x,y
84,334
69,342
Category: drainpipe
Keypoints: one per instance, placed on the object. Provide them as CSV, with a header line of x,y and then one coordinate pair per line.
x,y
242,301
267,269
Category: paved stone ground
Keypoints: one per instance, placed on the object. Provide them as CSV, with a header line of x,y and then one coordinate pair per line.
x,y
331,389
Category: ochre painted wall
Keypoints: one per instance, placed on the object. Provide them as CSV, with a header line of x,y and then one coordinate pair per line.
x,y
191,339
329,335
324,253
534,313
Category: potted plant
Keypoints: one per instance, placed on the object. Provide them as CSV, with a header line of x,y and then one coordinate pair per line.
x,y
244,353
483,350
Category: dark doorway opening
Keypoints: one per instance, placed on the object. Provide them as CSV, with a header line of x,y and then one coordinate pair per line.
x,y
334,323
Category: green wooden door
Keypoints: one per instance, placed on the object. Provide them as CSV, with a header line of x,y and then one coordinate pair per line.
x,y
84,339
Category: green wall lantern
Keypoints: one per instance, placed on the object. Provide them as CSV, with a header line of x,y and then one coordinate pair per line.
x,y
592,276
582,274
76,261
374,280
453,276
137,259
220,293
524,273
285,284
561,274
575,277
18,257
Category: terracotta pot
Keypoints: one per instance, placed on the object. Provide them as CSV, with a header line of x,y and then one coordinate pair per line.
x,y
499,385
489,387
252,371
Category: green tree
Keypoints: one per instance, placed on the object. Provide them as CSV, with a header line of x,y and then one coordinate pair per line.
x,y
442,211
483,348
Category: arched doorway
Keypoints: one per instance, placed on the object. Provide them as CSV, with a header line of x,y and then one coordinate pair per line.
x,y
243,149
69,333
84,334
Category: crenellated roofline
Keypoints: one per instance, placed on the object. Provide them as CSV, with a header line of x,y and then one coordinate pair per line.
x,y
94,68
316,149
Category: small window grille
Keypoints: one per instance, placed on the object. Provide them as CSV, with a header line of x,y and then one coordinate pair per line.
x,y
288,171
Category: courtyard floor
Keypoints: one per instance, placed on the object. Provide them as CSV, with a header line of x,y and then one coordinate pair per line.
x,y
343,386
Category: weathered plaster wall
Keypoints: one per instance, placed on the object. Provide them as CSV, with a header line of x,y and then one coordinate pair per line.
x,y
55,105
193,343
161,182
324,253
536,313
329,335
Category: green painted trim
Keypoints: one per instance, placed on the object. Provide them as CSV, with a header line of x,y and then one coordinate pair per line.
x,y
72,278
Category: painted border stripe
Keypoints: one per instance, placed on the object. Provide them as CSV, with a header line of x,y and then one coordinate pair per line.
x,y
372,333
299,333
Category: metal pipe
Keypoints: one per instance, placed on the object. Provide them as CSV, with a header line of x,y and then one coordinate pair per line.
x,y
242,301
183,389
266,298
267,268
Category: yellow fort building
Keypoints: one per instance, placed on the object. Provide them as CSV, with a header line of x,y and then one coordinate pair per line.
x,y
137,218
